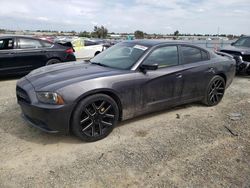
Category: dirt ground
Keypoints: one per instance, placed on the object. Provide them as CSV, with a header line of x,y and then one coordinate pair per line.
x,y
189,146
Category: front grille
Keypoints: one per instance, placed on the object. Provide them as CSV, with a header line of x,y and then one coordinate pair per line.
x,y
238,59
22,95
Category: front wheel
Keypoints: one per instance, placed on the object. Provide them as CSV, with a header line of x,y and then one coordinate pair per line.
x,y
215,91
95,117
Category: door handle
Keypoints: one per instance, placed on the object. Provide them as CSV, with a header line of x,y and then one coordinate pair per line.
x,y
179,75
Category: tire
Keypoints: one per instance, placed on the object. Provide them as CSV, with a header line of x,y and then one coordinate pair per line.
x,y
97,53
215,91
53,61
95,117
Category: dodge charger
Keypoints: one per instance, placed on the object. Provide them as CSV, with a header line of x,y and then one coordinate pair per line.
x,y
127,80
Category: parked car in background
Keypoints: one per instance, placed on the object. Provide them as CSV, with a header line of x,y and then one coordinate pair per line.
x,y
47,38
20,55
126,80
87,48
240,50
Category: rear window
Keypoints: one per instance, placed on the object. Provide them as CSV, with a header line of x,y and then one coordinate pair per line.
x,y
29,43
6,44
192,54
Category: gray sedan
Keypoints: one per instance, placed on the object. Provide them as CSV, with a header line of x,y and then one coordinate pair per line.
x,y
127,80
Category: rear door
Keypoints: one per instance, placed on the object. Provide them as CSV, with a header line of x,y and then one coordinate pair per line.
x,y
7,62
196,73
30,53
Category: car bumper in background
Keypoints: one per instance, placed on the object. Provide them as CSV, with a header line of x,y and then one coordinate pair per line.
x,y
70,57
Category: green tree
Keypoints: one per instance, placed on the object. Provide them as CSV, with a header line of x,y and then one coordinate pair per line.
x,y
84,34
99,32
139,34
2,30
176,33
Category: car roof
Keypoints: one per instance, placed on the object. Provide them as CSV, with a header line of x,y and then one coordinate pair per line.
x,y
18,36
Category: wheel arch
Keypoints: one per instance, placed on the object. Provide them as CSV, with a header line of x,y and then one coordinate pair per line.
x,y
108,92
57,58
97,52
223,76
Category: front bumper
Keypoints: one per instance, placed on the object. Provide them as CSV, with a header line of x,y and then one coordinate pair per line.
x,y
49,118
243,67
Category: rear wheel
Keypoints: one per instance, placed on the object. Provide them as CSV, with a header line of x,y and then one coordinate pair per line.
x,y
52,61
215,91
95,117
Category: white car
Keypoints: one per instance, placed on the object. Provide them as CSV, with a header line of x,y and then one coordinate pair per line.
x,y
86,48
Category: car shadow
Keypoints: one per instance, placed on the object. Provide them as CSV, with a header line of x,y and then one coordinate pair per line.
x,y
21,129
242,76
12,77
11,123
158,113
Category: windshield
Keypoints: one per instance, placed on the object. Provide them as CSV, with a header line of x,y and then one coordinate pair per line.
x,y
120,56
245,41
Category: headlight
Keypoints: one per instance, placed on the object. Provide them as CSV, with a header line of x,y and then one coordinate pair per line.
x,y
49,98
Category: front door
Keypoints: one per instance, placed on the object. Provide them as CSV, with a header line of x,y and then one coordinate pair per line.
x,y
162,86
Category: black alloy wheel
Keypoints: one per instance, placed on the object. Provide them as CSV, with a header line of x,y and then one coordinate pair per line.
x,y
215,91
95,117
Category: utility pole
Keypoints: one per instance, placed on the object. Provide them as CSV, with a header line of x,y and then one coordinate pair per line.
x,y
218,31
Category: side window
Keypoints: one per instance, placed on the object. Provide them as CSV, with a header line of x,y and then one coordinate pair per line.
x,y
29,43
164,57
191,54
6,44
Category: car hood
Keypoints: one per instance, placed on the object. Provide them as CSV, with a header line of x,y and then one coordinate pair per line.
x,y
53,77
242,50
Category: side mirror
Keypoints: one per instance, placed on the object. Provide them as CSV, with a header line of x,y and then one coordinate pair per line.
x,y
232,43
145,67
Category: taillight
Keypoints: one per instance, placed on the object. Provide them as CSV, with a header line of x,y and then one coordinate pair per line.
x,y
69,51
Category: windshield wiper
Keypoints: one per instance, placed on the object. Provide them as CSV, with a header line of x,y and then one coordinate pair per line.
x,y
100,64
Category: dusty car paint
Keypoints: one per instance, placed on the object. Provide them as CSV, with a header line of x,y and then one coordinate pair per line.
x,y
134,91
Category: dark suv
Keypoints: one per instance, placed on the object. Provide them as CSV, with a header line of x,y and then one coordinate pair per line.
x,y
240,50
20,55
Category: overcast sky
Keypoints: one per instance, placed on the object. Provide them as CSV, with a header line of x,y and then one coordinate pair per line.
x,y
151,16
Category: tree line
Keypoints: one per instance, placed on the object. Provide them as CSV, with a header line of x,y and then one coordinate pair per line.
x,y
102,32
